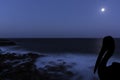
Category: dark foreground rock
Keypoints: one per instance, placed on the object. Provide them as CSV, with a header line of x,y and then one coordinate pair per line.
x,y
22,67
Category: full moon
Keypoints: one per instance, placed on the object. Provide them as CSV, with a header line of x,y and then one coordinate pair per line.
x,y
102,9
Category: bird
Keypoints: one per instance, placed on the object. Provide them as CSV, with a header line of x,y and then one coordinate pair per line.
x,y
107,72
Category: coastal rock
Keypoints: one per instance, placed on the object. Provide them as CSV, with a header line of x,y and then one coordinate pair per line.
x,y
22,67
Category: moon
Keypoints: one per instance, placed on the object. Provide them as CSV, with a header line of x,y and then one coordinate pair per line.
x,y
103,9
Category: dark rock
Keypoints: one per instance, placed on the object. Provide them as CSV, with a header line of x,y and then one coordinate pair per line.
x,y
22,67
69,73
14,68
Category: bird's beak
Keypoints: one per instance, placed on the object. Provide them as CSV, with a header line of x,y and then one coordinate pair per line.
x,y
99,59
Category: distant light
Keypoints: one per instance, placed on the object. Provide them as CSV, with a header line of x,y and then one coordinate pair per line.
x,y
102,9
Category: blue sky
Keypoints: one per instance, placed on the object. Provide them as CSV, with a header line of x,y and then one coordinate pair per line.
x,y
59,18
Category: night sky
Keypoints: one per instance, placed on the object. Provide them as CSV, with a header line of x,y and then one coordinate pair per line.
x,y
59,18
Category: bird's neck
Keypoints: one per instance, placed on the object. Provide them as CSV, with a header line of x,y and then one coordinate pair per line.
x,y
105,59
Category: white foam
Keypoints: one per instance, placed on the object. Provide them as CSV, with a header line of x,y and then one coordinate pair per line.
x,y
83,64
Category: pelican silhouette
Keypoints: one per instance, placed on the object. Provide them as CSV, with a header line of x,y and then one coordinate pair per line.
x,y
111,72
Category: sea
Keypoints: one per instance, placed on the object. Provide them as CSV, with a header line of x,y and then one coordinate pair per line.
x,y
81,51
64,45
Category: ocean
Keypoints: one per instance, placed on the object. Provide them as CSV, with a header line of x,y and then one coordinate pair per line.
x,y
58,45
63,45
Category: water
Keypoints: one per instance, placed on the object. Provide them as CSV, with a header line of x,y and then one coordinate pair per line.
x,y
82,64
57,45
60,45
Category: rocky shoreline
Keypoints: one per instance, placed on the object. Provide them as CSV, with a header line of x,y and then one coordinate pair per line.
x,y
22,67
